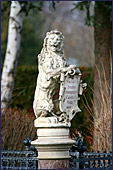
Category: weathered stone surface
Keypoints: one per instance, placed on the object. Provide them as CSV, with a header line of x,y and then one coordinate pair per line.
x,y
53,164
53,142
50,122
54,132
53,73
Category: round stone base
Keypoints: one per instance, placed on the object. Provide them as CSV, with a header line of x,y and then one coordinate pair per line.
x,y
53,164
52,143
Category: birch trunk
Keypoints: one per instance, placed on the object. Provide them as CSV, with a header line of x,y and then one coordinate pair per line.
x,y
12,53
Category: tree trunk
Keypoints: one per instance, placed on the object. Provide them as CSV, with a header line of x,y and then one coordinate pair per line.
x,y
102,77
12,53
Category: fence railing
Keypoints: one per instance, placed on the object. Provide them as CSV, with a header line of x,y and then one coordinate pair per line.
x,y
80,159
20,159
91,160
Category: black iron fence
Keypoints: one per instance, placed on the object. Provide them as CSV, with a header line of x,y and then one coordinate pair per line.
x,y
91,160
80,159
20,159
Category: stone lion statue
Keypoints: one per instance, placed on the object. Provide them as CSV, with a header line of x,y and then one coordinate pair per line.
x,y
51,65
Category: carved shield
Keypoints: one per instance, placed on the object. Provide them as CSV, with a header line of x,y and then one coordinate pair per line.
x,y
69,99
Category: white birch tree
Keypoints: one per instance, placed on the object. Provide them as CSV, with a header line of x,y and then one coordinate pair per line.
x,y
18,10
12,53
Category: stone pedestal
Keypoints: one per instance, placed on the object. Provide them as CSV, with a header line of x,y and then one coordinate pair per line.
x,y
53,164
53,145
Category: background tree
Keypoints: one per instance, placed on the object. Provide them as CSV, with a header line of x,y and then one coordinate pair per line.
x,y
12,53
18,10
102,22
102,76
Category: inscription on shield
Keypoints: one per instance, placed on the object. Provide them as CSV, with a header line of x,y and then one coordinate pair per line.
x,y
69,100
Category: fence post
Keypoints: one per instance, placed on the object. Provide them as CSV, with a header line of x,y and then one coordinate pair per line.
x,y
81,149
29,147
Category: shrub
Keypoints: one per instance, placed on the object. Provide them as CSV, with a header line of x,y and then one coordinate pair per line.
x,y
16,125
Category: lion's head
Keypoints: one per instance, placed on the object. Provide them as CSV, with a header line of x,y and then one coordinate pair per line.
x,y
53,42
